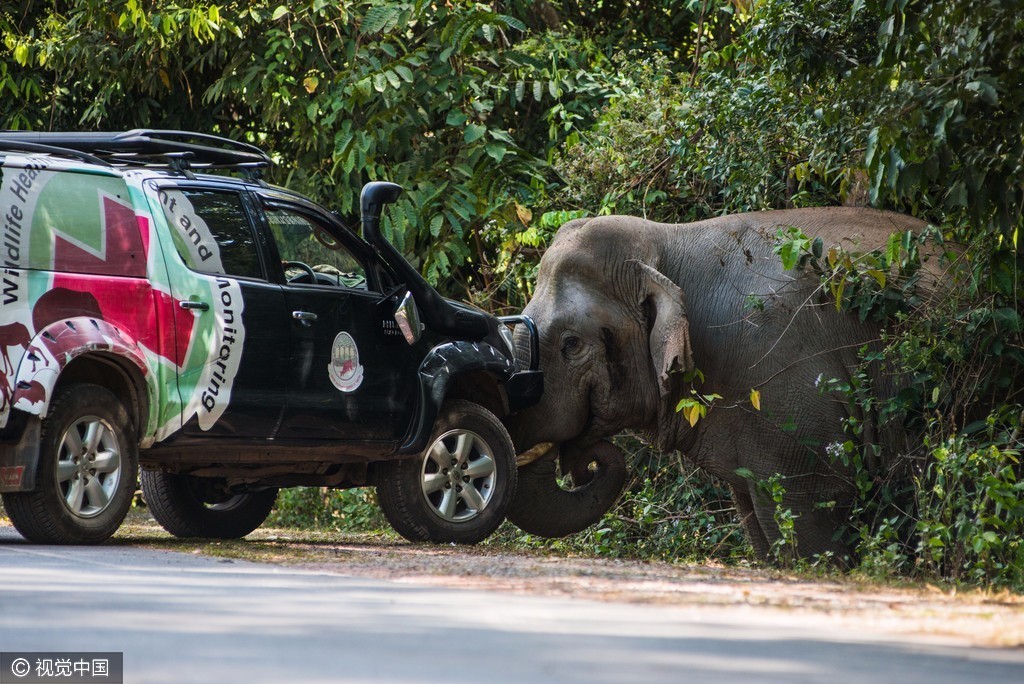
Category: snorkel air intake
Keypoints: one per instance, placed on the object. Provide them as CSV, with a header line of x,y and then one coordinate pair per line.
x,y
438,313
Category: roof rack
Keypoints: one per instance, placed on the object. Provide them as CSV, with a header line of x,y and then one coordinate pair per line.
x,y
178,150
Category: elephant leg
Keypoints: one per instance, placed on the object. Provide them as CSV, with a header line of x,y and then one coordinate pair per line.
x,y
751,525
813,531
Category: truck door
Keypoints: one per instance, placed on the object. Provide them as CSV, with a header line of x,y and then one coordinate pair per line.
x,y
352,375
232,380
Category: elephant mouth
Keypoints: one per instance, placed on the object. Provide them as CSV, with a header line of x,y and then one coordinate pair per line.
x,y
574,456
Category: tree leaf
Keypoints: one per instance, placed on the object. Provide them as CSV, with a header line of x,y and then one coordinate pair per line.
x,y
755,399
455,118
495,151
502,136
378,17
473,132
405,72
435,224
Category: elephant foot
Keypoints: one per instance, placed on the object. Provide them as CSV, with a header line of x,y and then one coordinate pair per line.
x,y
545,508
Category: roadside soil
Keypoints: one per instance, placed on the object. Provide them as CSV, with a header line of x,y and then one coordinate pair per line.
x,y
994,619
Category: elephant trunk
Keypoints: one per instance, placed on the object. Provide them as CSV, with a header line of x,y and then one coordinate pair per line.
x,y
544,508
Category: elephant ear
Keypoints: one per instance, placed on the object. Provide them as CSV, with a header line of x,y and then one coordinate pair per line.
x,y
669,339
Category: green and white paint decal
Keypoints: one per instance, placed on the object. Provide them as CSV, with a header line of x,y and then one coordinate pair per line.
x,y
88,266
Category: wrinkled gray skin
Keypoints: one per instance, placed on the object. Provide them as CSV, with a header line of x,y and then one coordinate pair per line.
x,y
626,306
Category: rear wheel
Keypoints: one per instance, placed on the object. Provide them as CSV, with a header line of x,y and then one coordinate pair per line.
x,y
86,476
188,506
460,487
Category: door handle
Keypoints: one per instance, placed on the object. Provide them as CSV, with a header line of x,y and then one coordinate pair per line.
x,y
304,316
194,306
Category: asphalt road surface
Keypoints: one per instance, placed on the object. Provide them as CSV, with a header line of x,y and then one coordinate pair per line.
x,y
184,618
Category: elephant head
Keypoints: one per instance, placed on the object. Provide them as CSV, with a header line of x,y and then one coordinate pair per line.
x,y
614,335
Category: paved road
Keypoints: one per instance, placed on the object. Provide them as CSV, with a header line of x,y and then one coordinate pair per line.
x,y
183,618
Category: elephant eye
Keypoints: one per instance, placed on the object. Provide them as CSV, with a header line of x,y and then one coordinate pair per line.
x,y
571,344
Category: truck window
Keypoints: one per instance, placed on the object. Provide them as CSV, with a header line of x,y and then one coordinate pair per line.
x,y
211,231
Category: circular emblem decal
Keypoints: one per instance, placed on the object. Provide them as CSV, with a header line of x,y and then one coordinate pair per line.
x,y
345,372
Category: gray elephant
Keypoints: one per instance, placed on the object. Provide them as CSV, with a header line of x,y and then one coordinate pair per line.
x,y
627,309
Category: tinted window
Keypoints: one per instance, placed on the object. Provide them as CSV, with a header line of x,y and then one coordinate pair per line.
x,y
302,242
211,231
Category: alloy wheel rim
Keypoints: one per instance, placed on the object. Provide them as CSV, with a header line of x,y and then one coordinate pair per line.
x,y
457,476
88,466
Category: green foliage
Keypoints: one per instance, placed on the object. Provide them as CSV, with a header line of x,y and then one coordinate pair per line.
x,y
674,146
343,510
950,512
947,127
970,513
783,549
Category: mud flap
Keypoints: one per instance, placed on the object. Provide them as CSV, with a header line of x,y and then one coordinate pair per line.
x,y
19,461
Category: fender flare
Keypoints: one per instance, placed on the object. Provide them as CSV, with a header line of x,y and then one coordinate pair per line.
x,y
60,343
438,370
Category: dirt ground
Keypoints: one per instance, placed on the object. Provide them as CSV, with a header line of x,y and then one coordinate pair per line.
x,y
976,617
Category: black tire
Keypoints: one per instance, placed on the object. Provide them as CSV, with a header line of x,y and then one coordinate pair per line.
x,y
425,501
88,459
189,507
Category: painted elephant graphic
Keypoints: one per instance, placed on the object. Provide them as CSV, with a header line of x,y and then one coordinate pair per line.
x,y
54,305
11,335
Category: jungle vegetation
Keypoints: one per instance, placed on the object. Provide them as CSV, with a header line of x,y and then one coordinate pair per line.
x,y
503,119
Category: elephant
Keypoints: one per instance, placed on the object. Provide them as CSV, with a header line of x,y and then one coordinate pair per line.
x,y
628,312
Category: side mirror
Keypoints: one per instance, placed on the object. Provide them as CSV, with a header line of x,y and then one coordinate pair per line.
x,y
408,318
372,200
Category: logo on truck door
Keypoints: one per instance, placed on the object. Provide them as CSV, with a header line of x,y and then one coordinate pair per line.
x,y
345,372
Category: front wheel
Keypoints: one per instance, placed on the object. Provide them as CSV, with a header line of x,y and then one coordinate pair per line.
x,y
459,489
86,475
189,506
